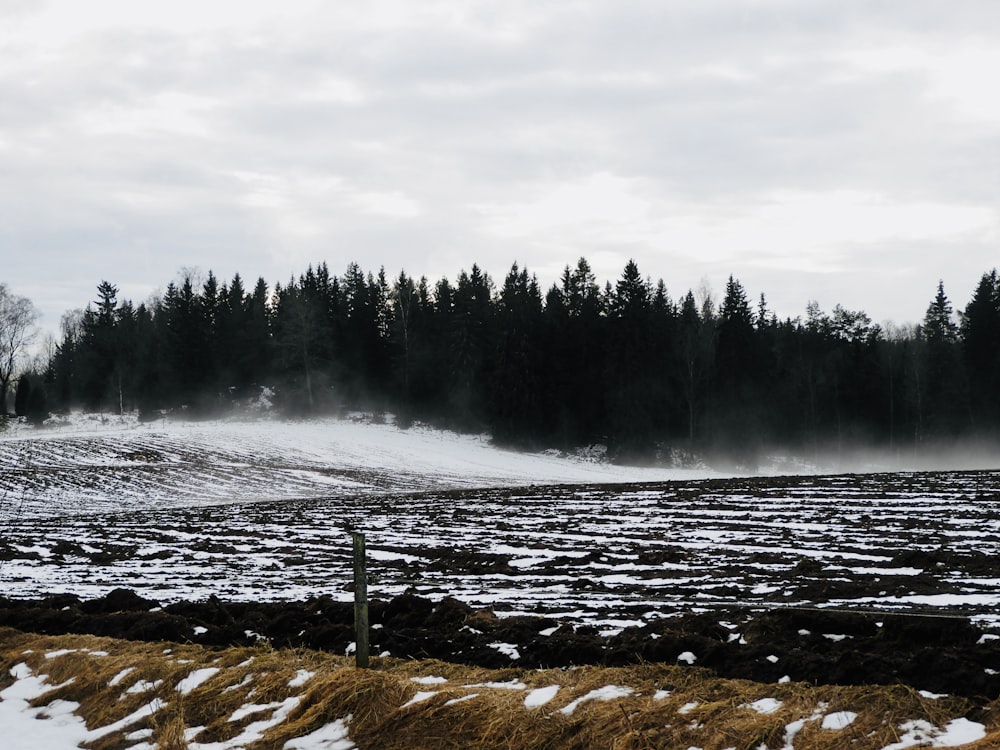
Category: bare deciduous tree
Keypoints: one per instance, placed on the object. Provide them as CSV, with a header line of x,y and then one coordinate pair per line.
x,y
17,320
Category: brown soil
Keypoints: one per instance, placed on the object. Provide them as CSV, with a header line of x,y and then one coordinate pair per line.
x,y
942,654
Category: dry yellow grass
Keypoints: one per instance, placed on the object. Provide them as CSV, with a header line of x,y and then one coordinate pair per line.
x,y
668,706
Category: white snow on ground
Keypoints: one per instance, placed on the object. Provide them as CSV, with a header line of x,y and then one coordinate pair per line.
x,y
606,693
253,731
540,696
195,679
301,678
507,649
23,729
765,705
684,544
420,697
838,720
120,676
463,699
793,728
244,509
87,465
512,685
56,726
331,737
258,509
919,733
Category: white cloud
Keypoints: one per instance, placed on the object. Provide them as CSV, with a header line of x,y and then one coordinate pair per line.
x,y
599,204
703,138
167,112
814,231
959,78
336,89
390,203
818,230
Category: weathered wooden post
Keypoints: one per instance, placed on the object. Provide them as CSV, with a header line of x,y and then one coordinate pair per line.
x,y
360,601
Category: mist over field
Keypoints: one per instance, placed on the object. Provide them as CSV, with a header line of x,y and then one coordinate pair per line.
x,y
265,505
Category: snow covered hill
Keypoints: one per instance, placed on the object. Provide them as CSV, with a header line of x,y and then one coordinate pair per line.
x,y
89,463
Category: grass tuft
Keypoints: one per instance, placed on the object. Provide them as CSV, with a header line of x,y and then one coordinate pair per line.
x,y
669,706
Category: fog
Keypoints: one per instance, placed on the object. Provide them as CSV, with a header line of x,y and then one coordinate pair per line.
x,y
961,454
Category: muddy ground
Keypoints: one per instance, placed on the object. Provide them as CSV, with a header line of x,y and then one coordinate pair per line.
x,y
941,654
611,553
783,573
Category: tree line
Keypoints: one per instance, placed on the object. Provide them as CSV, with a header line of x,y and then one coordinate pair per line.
x,y
621,364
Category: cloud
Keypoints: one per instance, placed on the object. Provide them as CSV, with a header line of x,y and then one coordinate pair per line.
x,y
580,206
775,139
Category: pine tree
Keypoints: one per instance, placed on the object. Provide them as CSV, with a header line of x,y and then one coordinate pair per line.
x,y
185,342
736,413
630,376
302,335
210,310
258,344
944,394
577,328
980,340
696,351
37,407
516,384
98,353
404,330
148,366
21,395
469,333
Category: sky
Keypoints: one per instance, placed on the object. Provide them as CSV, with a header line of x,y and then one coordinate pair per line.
x,y
842,151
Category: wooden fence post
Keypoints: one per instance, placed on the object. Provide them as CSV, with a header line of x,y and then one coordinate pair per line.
x,y
360,601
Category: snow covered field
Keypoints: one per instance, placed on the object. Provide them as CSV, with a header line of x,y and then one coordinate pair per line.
x,y
94,464
259,510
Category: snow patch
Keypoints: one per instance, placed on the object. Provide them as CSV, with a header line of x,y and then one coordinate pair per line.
x,y
540,696
606,693
301,677
420,697
120,676
196,678
920,733
507,649
331,737
764,705
463,699
511,685
838,720
429,680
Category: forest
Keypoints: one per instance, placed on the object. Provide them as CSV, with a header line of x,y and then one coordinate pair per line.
x,y
623,365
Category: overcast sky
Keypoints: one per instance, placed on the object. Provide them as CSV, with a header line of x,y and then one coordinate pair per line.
x,y
844,151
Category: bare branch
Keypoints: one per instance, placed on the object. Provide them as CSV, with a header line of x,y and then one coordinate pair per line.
x,y
18,316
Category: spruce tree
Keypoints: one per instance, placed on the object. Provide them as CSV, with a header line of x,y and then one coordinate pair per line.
x,y
21,395
629,366
515,396
736,413
980,336
944,393
37,407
